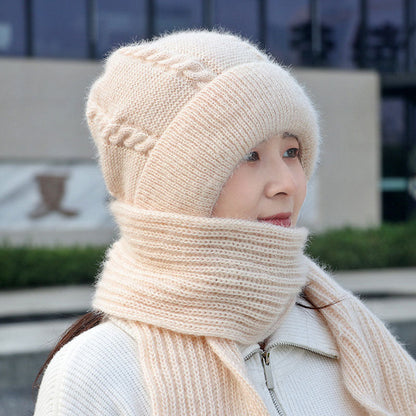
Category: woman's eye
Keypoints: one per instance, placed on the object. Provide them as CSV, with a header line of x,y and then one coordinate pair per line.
x,y
251,157
292,153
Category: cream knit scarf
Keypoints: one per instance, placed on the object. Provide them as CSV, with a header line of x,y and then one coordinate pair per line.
x,y
188,289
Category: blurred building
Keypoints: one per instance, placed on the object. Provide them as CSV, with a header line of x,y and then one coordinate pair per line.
x,y
356,58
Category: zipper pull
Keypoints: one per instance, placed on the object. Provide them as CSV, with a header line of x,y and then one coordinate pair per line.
x,y
268,374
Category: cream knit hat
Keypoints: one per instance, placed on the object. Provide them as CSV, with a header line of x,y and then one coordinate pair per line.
x,y
174,116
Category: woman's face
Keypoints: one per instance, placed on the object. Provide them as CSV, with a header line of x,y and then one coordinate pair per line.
x,y
269,184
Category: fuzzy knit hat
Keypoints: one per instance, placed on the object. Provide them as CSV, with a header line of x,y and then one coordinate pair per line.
x,y
173,117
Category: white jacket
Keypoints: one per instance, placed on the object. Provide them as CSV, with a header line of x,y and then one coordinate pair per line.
x,y
297,373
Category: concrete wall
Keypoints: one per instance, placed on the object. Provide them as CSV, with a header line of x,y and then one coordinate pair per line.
x,y
42,118
42,109
347,183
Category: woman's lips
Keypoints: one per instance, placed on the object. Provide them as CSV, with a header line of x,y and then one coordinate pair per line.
x,y
283,219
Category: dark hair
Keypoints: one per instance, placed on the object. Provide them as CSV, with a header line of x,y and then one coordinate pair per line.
x,y
312,305
93,318
87,321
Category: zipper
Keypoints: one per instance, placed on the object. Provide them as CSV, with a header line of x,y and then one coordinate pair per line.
x,y
268,375
254,352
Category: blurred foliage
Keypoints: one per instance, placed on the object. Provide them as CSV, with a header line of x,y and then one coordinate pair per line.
x,y
391,245
41,266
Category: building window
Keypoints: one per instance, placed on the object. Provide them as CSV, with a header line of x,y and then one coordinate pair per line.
x,y
394,136
240,18
12,28
117,23
288,35
399,158
339,31
175,15
386,35
60,28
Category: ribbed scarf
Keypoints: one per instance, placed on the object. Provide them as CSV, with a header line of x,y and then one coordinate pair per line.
x,y
188,289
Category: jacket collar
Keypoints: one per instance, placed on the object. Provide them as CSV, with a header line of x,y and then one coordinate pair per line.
x,y
301,327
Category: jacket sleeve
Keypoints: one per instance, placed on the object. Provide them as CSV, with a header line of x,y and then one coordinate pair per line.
x,y
97,373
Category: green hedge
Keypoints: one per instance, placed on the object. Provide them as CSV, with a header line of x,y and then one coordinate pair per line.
x,y
391,245
41,266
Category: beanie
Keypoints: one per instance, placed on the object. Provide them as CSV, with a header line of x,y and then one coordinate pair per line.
x,y
174,116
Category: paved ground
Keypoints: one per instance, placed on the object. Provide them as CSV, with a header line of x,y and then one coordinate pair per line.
x,y
389,293
16,396
32,320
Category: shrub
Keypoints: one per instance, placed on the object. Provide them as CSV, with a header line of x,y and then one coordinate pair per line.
x,y
40,266
391,245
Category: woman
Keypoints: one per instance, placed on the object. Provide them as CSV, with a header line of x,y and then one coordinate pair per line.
x,y
206,304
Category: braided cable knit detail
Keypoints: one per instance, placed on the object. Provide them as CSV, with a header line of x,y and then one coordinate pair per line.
x,y
120,135
187,66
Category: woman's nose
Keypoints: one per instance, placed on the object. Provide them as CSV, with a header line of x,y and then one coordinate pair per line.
x,y
280,180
